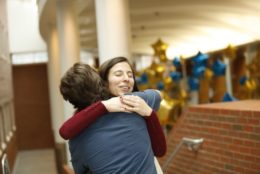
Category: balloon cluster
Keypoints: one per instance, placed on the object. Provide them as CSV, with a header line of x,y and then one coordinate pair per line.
x,y
163,75
170,77
200,70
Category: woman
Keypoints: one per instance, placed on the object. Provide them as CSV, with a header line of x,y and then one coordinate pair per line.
x,y
111,72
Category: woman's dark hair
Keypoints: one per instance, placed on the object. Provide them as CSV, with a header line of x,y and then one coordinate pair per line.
x,y
81,86
107,65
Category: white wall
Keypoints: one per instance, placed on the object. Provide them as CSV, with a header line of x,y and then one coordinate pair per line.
x,y
23,27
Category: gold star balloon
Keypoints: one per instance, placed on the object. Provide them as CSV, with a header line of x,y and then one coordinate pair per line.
x,y
160,50
250,85
167,81
208,74
158,69
183,97
230,52
168,109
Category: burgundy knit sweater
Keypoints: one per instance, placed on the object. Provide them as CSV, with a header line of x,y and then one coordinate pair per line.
x,y
81,120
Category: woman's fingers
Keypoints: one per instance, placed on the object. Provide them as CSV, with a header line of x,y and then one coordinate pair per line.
x,y
131,109
136,104
130,100
114,105
133,104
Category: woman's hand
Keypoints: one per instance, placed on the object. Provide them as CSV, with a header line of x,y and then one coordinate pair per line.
x,y
114,105
136,104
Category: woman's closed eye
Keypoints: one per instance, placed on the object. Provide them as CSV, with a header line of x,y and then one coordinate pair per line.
x,y
121,73
118,73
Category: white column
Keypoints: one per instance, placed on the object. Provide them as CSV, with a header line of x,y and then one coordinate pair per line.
x,y
69,46
184,80
228,76
113,28
194,97
68,34
63,52
54,75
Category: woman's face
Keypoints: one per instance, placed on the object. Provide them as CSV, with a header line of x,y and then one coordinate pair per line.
x,y
120,79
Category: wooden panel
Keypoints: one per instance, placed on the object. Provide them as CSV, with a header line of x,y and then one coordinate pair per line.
x,y
11,151
32,107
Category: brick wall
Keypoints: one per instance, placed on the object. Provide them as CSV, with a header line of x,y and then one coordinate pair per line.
x,y
231,133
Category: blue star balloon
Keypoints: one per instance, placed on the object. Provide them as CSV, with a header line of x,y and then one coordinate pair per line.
x,y
227,97
200,59
175,76
176,62
219,68
144,78
193,84
198,71
160,86
243,80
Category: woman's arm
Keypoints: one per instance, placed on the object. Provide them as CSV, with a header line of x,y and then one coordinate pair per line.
x,y
81,120
156,134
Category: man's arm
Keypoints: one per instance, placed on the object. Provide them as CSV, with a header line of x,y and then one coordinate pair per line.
x,y
153,99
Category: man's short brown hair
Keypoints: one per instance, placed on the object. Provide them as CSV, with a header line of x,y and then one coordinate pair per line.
x,y
81,86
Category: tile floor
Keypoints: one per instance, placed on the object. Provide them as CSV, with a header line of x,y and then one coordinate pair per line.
x,y
35,161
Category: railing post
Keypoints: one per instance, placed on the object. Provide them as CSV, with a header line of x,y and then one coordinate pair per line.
x,y
192,144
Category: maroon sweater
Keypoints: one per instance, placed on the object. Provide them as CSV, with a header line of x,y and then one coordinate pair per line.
x,y
81,120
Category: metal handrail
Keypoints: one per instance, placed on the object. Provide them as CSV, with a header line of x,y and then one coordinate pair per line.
x,y
5,165
192,145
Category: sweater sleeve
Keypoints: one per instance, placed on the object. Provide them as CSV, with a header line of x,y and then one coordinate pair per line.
x,y
156,135
81,120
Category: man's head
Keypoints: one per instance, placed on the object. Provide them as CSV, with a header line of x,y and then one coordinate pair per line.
x,y
81,86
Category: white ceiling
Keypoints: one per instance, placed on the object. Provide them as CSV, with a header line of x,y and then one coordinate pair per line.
x,y
188,26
